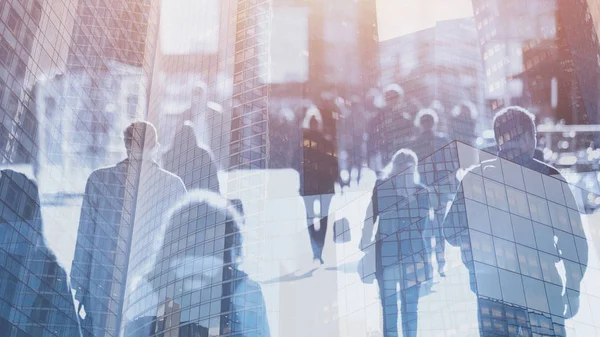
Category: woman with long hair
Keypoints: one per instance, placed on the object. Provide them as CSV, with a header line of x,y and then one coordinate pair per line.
x,y
402,205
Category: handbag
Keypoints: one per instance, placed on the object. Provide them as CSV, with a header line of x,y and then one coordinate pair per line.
x,y
341,231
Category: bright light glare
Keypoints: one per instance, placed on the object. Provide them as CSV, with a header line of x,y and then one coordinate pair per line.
x,y
189,26
417,15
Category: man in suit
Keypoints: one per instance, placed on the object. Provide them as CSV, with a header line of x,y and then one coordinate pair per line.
x,y
515,220
122,209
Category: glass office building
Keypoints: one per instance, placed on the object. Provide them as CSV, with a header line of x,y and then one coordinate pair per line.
x,y
36,300
440,68
278,106
503,235
75,71
521,52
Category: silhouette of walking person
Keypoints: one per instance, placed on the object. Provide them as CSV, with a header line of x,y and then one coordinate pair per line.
x,y
319,170
191,162
402,206
464,122
512,240
426,144
428,139
30,269
121,204
210,225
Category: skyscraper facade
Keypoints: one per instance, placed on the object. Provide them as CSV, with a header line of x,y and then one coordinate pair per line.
x,y
193,65
110,59
35,297
545,58
20,24
282,95
236,85
76,71
518,286
438,68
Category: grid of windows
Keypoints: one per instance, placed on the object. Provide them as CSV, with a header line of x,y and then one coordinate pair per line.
x,y
194,282
523,55
442,64
512,225
106,49
517,225
34,296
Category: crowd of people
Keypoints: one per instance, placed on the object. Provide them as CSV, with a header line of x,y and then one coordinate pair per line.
x,y
185,235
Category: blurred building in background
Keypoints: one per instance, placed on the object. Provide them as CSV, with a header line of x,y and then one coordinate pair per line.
x,y
267,85
94,62
440,68
194,65
541,56
110,61
20,24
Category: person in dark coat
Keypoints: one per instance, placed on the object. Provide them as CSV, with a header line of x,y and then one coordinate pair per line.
x,y
209,263
426,145
36,298
319,169
193,163
122,206
402,205
428,139
464,123
536,226
402,108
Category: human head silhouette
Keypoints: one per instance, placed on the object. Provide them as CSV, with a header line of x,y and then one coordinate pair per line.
x,y
426,120
200,210
141,141
405,163
515,133
393,94
185,136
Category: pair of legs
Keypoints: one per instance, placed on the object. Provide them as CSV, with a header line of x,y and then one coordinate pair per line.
x,y
318,235
391,284
434,231
317,238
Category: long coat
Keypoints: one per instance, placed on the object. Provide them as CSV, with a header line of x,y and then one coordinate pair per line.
x,y
402,224
528,213
121,217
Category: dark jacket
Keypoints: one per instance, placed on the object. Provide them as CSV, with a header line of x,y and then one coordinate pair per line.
x,y
525,214
191,162
402,222
31,280
207,278
123,206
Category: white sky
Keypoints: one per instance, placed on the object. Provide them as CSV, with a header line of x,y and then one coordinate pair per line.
x,y
189,26
401,17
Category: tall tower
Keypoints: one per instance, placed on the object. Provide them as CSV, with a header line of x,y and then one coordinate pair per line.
x,y
110,60
442,65
18,129
193,65
542,56
257,69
